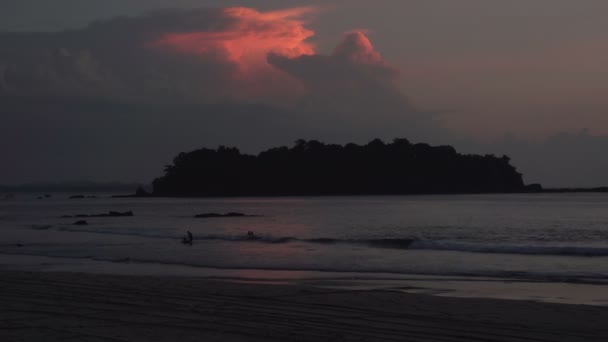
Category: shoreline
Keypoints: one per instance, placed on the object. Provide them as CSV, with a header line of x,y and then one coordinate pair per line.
x,y
453,286
112,195
86,307
601,190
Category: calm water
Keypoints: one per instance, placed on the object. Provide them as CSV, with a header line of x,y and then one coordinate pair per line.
x,y
561,237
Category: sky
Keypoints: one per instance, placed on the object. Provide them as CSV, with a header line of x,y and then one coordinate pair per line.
x,y
112,90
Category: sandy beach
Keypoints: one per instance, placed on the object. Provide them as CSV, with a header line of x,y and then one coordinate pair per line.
x,y
41,306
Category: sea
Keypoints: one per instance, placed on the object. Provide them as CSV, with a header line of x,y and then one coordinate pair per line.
x,y
521,246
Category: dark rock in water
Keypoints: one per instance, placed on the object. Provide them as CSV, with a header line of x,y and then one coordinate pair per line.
x,y
42,227
110,214
208,215
19,245
238,215
140,192
81,223
216,215
82,196
391,243
118,214
47,196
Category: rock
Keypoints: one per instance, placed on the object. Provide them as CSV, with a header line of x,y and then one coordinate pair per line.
x,y
216,215
139,193
110,214
209,215
42,227
81,223
118,214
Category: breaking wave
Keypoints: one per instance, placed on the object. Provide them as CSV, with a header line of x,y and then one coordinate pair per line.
x,y
386,243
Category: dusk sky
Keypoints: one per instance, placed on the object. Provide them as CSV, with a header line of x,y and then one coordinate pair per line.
x,y
117,99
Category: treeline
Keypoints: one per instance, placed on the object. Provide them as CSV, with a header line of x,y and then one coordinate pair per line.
x,y
315,168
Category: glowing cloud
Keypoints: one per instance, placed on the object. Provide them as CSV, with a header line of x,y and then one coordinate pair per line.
x,y
249,38
357,48
234,54
244,40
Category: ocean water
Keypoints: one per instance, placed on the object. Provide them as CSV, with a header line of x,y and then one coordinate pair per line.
x,y
532,237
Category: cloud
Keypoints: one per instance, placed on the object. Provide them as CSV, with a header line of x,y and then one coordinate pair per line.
x,y
174,80
355,88
230,54
249,37
357,48
244,43
205,54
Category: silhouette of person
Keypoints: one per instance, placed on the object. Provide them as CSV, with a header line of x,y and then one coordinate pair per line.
x,y
187,240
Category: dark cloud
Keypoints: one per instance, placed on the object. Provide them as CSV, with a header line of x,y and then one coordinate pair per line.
x,y
192,55
356,87
112,59
119,98
134,91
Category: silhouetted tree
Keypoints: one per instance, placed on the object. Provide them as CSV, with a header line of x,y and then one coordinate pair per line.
x,y
314,168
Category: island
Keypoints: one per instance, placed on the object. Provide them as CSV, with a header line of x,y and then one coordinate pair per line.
x,y
313,168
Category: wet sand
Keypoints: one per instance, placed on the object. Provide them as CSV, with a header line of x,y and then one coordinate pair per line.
x,y
39,306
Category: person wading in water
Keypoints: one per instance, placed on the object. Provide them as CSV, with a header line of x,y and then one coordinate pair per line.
x,y
187,240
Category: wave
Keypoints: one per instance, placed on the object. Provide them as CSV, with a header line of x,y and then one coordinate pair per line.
x,y
126,232
582,251
361,273
431,245
385,243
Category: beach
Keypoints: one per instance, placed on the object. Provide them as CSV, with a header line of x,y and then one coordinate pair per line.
x,y
46,306
369,268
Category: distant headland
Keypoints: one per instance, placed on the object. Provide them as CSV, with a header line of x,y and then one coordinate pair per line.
x,y
73,187
312,168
